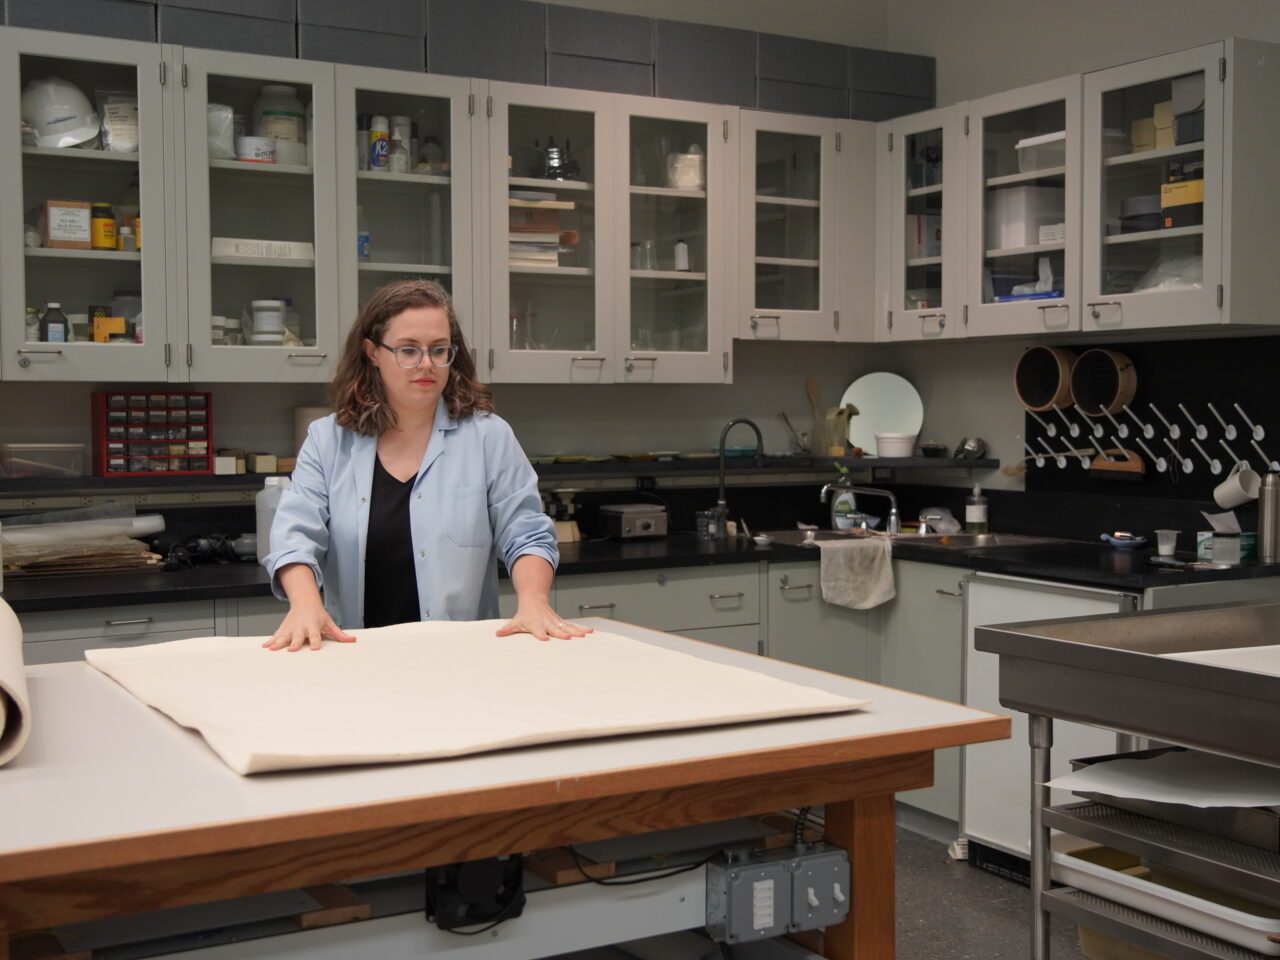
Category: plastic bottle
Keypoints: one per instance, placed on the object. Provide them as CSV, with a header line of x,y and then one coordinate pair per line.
x,y
363,237
975,511
265,504
379,141
433,155
362,141
54,325
398,154
33,325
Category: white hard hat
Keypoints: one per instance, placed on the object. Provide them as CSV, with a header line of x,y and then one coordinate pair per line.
x,y
60,113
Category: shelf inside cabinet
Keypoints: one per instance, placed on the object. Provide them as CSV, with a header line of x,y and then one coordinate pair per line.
x,y
786,201
1153,156
60,253
1144,236
78,158
791,262
668,192
923,261
403,179
537,183
373,266
925,191
552,271
1023,251
1010,179
278,263
668,275
263,169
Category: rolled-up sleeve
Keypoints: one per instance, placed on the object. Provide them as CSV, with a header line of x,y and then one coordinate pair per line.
x,y
515,509
300,531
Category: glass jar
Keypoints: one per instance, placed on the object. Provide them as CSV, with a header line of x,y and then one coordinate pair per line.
x,y
279,114
102,226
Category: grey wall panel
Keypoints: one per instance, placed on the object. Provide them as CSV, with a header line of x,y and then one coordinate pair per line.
x,y
881,71
121,19
884,106
592,73
263,9
361,47
491,39
594,33
408,18
801,98
802,61
711,64
226,31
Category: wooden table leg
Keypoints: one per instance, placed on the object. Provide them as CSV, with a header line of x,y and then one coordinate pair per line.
x,y
865,828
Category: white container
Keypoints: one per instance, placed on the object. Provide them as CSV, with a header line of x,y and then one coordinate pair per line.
x,y
222,141
896,444
256,149
268,317
265,504
1042,152
379,142
1016,214
279,115
294,154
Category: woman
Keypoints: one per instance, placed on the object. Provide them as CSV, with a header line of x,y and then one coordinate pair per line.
x,y
403,499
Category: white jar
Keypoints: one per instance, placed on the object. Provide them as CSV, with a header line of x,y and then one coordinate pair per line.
x,y
279,114
265,504
268,316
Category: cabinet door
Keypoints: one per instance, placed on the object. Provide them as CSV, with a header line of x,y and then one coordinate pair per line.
x,y
921,645
551,198
674,251
1022,264
787,213
290,199
805,629
856,279
926,226
90,73
1147,262
418,223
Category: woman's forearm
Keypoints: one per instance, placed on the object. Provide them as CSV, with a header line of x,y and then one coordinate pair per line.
x,y
299,584
531,576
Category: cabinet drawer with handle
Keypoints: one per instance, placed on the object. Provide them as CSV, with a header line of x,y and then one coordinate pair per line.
x,y
67,651
195,618
672,599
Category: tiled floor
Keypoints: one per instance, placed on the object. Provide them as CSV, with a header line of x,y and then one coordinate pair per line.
x,y
948,910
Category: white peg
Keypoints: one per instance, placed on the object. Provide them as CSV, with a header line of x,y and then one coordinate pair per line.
x,y
1256,428
1037,457
1058,458
1232,454
1073,452
1091,425
1186,463
1122,429
1200,431
1050,428
1148,430
1072,428
1174,430
1161,464
1215,465
1265,459
1228,429
1102,453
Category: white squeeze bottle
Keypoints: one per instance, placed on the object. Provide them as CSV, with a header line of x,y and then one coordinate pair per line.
x,y
975,511
265,504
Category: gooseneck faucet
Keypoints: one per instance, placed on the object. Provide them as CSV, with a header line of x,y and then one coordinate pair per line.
x,y
720,501
894,525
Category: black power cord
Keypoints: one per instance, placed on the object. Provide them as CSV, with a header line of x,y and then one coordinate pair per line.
x,y
501,918
689,868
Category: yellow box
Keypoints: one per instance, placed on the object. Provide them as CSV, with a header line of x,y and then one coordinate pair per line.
x,y
1142,134
104,327
1181,193
1163,115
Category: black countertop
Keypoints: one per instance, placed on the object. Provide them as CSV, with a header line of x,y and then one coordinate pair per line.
x,y
1083,564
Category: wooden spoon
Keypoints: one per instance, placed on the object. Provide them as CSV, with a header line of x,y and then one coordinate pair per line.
x,y
818,440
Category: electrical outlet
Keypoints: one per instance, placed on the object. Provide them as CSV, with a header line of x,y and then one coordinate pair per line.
x,y
647,483
819,888
86,501
29,503
756,895
141,499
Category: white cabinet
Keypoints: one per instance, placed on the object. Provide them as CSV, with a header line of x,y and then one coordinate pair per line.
x,y
420,223
921,181
132,182
289,200
805,629
1022,261
62,635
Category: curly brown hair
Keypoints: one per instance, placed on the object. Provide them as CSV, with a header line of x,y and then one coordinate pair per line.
x,y
356,391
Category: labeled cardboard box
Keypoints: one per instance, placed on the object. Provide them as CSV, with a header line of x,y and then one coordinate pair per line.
x,y
1163,122
66,225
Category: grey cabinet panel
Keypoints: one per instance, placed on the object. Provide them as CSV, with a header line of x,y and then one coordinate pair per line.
x,y
122,624
884,106
786,97
594,33
592,73
744,638
226,31
361,47
490,39
801,61
805,629
262,9
710,64
259,616
676,600
69,651
122,19
882,71
408,18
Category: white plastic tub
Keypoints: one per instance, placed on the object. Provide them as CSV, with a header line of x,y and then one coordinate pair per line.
x,y
1043,152
895,444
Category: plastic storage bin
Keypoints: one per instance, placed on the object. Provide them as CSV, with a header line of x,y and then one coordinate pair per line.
x,y
1042,152
41,460
1016,214
164,434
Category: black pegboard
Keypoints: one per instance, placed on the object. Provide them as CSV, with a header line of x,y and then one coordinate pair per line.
x,y
1196,373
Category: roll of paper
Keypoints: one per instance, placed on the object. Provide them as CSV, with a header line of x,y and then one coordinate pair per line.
x,y
15,707
303,417
45,533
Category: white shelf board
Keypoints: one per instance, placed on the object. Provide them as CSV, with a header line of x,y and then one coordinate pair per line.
x,y
786,201
1011,178
787,262
61,253
923,261
276,262
403,179
1022,251
668,275
925,191
552,271
1145,235
265,169
537,183
80,156
374,266
668,192
1150,156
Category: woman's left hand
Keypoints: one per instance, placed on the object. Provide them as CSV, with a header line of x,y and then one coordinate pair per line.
x,y
539,619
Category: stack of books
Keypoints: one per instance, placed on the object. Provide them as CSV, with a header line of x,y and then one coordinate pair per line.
x,y
536,238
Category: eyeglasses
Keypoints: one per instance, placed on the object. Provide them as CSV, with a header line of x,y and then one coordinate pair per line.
x,y
441,355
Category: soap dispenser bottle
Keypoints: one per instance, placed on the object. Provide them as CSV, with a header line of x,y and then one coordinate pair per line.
x,y
975,511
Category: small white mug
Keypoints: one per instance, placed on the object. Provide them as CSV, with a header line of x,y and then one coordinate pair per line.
x,y
1241,485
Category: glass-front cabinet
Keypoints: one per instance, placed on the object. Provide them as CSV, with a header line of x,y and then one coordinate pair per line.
x,y
1022,264
925,197
405,179
673,306
1153,188
550,185
83,296
261,221
786,227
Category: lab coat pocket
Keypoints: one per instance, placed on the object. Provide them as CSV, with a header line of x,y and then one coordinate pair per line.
x,y
468,522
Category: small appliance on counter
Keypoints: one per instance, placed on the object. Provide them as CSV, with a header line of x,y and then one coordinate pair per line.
x,y
626,520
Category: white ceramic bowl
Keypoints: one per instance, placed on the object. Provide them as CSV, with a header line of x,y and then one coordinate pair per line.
x,y
896,444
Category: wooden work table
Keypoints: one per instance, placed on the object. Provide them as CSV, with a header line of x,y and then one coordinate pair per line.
x,y
112,809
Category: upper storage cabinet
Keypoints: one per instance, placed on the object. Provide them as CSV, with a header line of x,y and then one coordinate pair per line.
x,y
787,231
88,165
1022,264
261,222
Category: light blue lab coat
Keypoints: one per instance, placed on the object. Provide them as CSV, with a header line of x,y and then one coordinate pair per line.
x,y
475,500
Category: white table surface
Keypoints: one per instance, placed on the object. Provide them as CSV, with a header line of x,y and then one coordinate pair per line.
x,y
100,764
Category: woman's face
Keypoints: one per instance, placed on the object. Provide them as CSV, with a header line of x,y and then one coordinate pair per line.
x,y
418,387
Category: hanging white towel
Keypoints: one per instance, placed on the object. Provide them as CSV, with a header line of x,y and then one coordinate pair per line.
x,y
857,573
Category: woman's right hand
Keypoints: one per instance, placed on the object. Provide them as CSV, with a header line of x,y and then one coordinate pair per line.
x,y
305,624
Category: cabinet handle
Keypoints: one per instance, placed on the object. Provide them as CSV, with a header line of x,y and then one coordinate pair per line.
x,y
757,317
795,586
307,356
727,596
587,359
949,593
1064,307
27,350
630,362
1093,307
128,623
584,607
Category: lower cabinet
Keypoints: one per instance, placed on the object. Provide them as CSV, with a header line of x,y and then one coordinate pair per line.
x,y
806,630
56,636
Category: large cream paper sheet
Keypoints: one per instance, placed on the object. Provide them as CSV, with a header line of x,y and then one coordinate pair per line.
x,y
432,690
15,707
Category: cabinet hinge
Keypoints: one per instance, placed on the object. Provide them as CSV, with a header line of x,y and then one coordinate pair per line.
x,y
471,104
726,361
1221,294
491,358
966,124
190,354
488,106
890,319
163,72
891,141
724,128
168,352
184,74
839,144
964,315
835,315
1222,68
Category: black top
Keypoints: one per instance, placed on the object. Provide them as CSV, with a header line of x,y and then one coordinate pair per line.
x,y
390,581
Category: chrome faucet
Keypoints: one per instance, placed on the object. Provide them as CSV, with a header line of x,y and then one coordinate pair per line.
x,y
721,505
925,520
894,525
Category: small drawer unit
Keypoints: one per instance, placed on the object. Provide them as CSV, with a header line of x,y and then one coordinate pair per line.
x,y
139,434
